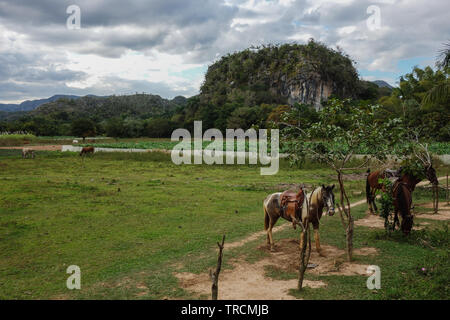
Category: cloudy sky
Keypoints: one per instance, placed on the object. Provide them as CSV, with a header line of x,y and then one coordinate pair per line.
x,y
165,46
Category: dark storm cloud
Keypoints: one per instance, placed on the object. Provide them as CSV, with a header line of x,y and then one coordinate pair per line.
x,y
146,24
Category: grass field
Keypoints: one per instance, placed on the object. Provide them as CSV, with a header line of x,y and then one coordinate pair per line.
x,y
133,219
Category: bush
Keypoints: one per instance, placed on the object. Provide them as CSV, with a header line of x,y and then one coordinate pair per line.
x,y
12,139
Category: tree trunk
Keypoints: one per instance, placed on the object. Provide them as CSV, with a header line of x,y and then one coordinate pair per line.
x,y
215,275
345,203
436,198
305,253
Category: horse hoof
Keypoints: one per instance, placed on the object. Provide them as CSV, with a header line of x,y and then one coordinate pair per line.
x,y
272,249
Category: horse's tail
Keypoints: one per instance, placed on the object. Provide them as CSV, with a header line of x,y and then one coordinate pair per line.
x,y
368,187
266,218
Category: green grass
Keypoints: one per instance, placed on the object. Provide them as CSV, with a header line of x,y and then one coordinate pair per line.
x,y
400,259
58,210
15,139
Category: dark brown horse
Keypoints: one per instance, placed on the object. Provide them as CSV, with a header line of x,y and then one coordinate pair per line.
x,y
402,195
87,150
373,184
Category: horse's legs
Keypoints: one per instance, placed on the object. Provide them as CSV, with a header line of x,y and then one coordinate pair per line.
x,y
396,221
373,201
267,224
369,200
317,239
269,232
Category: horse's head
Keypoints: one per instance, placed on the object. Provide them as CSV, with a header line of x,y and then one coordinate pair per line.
x,y
407,224
430,172
328,198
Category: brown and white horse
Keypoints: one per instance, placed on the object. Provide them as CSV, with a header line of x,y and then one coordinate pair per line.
x,y
311,211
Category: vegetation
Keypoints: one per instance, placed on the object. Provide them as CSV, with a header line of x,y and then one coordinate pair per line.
x,y
242,90
342,128
57,210
416,101
13,139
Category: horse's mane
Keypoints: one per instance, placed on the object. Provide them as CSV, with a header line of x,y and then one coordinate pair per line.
x,y
314,195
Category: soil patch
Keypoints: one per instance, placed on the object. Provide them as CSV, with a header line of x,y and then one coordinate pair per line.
x,y
249,281
442,215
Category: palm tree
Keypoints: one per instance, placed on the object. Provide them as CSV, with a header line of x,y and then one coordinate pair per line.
x,y
439,94
444,57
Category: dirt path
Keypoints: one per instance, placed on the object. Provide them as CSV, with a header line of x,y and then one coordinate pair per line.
x,y
249,281
424,183
37,148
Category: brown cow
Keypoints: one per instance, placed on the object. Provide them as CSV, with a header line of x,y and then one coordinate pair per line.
x,y
87,150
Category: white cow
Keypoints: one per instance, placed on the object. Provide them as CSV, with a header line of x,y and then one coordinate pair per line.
x,y
75,141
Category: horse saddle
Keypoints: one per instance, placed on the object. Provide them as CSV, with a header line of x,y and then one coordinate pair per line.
x,y
291,204
392,175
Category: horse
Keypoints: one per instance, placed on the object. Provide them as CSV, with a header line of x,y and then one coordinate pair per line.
x,y
87,150
27,152
279,205
373,184
311,211
320,198
402,195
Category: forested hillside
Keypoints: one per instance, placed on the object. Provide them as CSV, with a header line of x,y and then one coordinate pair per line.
x,y
251,88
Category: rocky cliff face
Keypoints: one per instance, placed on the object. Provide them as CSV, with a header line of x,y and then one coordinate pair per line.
x,y
286,74
304,88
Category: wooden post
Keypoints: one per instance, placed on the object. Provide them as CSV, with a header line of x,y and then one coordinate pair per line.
x,y
447,189
305,253
437,199
215,275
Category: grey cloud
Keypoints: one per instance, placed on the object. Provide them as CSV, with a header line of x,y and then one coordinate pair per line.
x,y
199,30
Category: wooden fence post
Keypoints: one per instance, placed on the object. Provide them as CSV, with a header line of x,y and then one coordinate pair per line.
x,y
446,191
215,275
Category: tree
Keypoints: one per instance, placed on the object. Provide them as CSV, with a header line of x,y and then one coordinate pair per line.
x,y
422,101
158,128
440,92
83,128
115,128
342,131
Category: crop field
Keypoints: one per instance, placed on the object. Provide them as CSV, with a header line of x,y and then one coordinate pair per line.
x,y
132,222
435,147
